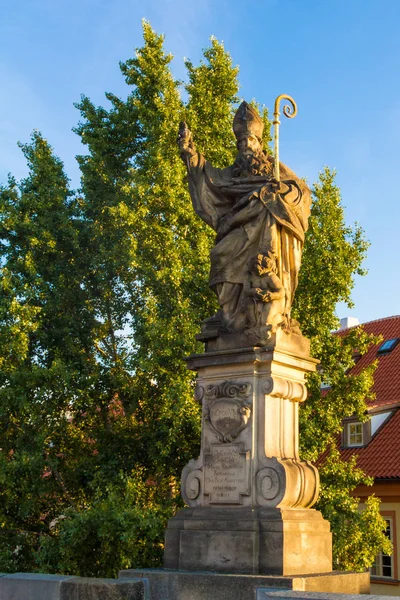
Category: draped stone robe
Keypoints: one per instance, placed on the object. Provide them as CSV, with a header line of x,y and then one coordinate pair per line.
x,y
249,219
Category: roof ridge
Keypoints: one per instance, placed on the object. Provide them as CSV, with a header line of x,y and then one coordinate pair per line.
x,y
368,322
381,319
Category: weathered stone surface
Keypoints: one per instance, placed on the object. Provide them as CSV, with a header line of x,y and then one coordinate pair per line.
x,y
248,489
245,540
179,585
35,586
333,586
102,589
249,453
31,586
272,594
260,224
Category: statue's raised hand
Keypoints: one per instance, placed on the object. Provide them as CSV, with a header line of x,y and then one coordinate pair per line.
x,y
185,141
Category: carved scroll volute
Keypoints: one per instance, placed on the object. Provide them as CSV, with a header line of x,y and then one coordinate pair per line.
x,y
199,393
302,484
192,482
284,388
287,483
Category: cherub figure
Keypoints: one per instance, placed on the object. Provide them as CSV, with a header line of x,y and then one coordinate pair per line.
x,y
264,298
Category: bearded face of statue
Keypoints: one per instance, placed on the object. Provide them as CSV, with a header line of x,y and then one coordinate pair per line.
x,y
249,145
251,159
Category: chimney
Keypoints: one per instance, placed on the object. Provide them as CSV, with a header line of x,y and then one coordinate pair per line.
x,y
348,322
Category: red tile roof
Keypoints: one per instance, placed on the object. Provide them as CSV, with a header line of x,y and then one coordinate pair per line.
x,y
381,458
387,375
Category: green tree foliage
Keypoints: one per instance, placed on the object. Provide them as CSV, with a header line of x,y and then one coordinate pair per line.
x,y
357,534
44,313
212,90
102,293
333,254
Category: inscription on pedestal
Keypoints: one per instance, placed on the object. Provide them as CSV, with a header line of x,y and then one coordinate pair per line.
x,y
226,473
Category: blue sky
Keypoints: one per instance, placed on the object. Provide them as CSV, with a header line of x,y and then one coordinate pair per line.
x,y
339,59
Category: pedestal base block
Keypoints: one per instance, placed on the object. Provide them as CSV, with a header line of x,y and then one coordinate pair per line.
x,y
244,540
163,584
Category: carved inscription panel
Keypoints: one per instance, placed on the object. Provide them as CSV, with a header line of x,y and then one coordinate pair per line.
x,y
226,473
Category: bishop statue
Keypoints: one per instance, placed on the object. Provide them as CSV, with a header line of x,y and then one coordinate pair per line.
x,y
260,225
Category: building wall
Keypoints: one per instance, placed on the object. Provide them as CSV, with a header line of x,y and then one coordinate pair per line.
x,y
389,507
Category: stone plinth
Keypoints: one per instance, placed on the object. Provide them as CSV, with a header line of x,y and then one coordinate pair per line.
x,y
249,493
245,540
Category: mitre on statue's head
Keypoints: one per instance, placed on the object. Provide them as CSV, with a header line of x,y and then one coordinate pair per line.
x,y
247,122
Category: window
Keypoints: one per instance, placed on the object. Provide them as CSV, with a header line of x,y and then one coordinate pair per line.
x,y
384,563
388,345
325,385
355,434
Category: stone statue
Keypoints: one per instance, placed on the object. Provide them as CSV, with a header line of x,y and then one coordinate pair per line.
x,y
249,494
254,217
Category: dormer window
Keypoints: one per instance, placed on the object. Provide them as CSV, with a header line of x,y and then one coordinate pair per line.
x,y
355,434
388,346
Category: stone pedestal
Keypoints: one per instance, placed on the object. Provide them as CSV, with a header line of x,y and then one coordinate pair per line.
x,y
269,541
249,493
